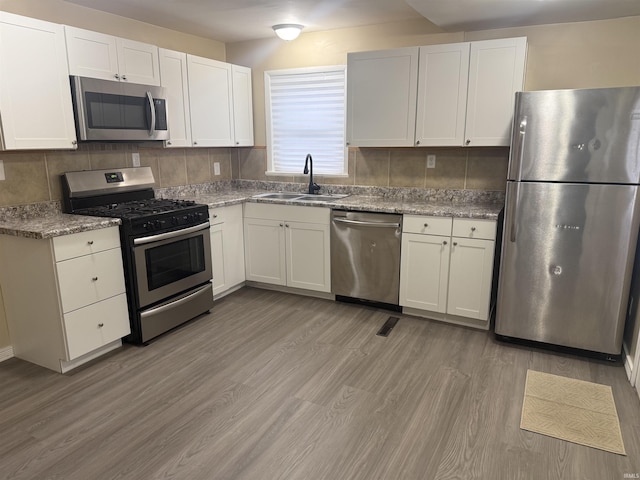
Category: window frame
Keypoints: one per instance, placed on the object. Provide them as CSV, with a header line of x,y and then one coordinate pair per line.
x,y
268,124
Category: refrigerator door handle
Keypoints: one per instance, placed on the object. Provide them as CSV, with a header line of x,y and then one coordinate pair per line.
x,y
522,131
513,208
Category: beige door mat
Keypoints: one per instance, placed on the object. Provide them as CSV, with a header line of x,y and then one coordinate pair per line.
x,y
573,410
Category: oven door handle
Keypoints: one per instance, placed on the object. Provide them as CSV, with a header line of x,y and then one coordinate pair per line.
x,y
165,236
175,303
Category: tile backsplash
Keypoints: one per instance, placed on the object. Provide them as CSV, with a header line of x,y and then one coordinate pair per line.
x,y
34,176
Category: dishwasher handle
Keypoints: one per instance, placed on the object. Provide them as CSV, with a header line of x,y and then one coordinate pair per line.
x,y
367,224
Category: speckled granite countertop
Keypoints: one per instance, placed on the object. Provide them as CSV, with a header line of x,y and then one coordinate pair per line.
x,y
366,203
45,220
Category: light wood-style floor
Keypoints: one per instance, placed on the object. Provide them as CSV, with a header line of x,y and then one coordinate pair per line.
x,y
276,386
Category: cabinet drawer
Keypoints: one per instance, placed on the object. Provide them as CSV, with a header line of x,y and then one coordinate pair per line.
x,y
217,215
89,279
91,327
426,225
85,243
474,228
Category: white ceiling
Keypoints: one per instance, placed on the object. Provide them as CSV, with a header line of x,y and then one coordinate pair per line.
x,y
238,20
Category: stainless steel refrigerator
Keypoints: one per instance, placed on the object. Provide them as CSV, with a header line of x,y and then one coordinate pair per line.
x,y
571,218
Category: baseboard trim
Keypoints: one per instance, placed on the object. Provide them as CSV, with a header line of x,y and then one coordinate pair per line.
x,y
6,353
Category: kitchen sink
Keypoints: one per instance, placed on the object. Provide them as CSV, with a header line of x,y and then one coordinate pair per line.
x,y
279,195
306,197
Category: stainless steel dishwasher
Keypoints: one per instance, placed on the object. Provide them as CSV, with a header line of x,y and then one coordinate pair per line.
x,y
365,256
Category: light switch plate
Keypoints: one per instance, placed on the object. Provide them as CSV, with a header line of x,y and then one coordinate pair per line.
x,y
431,161
2,177
135,158
216,168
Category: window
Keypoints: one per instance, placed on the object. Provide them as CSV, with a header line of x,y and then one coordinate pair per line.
x,y
305,113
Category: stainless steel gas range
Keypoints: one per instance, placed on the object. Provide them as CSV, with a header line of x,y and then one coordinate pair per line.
x,y
166,247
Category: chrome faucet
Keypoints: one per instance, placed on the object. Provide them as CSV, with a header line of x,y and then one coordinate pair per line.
x,y
308,168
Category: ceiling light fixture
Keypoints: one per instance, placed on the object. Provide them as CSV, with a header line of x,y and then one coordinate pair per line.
x,y
288,31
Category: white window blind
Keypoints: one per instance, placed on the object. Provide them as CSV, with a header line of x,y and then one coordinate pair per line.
x,y
306,114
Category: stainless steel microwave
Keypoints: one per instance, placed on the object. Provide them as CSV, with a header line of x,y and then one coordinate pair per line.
x,y
107,110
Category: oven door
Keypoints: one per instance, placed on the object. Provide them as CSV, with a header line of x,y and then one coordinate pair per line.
x,y
170,263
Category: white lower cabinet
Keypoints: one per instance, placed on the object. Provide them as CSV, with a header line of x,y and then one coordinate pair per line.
x,y
447,268
227,248
288,246
65,297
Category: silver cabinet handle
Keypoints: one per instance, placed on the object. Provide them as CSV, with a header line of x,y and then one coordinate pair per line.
x,y
101,325
117,76
124,77
467,142
282,225
215,215
94,279
286,225
90,242
418,142
473,229
152,127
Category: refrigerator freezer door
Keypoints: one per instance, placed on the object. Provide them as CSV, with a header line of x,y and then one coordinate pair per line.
x,y
566,264
579,136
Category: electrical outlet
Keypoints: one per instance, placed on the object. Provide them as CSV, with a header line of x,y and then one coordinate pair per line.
x,y
135,158
216,168
2,177
431,161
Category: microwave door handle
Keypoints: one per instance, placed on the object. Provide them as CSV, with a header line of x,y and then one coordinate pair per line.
x,y
152,128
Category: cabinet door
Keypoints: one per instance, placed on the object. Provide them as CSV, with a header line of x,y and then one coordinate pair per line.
x,y
308,256
233,238
381,97
35,97
210,102
424,271
173,76
138,62
217,258
91,54
442,94
470,277
242,106
496,72
264,251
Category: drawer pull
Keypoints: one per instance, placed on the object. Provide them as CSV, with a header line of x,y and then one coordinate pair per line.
x,y
426,225
90,242
473,229
444,243
455,244
94,279
101,325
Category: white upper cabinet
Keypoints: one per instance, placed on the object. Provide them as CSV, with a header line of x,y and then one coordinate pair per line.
x,y
496,73
97,55
438,95
35,96
466,92
210,102
442,94
381,97
173,76
242,106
